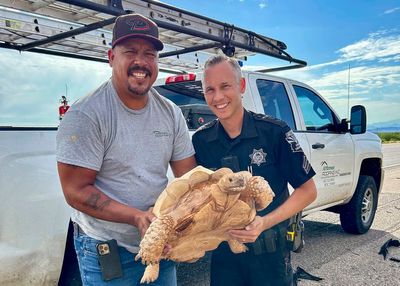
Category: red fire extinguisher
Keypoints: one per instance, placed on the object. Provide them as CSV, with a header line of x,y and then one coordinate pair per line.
x,y
63,107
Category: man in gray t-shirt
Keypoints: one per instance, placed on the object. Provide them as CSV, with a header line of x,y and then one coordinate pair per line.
x,y
113,151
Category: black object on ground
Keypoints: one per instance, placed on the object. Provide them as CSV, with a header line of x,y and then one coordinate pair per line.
x,y
385,249
300,273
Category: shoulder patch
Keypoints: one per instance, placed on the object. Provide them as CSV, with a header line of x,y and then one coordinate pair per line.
x,y
267,118
292,141
207,125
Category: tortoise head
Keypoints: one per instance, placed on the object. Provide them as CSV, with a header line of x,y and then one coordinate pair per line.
x,y
234,183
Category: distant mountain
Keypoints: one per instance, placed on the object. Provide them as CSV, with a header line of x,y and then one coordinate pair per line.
x,y
388,126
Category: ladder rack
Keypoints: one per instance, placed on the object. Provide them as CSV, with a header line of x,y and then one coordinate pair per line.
x,y
83,29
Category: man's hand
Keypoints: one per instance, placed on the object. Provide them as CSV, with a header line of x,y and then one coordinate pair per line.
x,y
250,232
143,219
143,222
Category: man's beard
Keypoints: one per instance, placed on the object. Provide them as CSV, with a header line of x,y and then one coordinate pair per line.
x,y
139,91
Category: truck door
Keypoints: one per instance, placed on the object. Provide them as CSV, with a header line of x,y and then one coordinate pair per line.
x,y
332,152
274,100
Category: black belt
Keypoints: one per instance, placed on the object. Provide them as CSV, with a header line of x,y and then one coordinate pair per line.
x,y
77,229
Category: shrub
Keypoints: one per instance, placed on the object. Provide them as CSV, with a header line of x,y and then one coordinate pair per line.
x,y
389,137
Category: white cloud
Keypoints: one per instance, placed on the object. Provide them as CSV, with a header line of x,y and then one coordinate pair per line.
x,y
368,77
262,4
383,46
392,10
396,58
377,46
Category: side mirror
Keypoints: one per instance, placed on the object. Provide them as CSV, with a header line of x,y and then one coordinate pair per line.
x,y
358,120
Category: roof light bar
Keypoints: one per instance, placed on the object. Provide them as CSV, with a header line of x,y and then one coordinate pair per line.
x,y
180,78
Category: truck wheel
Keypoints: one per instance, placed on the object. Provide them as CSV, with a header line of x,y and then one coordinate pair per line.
x,y
357,215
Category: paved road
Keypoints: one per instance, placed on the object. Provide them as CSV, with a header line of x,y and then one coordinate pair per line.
x,y
340,258
391,154
344,259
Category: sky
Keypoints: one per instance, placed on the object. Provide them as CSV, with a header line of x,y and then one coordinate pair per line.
x,y
352,49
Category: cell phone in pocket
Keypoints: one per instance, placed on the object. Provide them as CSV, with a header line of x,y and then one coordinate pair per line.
x,y
109,260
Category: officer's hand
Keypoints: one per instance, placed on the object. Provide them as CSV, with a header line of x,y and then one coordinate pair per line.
x,y
250,232
143,220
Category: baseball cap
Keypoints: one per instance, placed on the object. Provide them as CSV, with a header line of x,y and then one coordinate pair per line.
x,y
136,26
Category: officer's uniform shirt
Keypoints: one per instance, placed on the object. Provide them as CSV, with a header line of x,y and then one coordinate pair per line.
x,y
266,146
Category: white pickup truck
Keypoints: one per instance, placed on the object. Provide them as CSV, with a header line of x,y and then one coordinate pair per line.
x,y
35,232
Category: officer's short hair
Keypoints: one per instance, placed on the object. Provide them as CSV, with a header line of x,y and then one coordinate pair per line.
x,y
217,59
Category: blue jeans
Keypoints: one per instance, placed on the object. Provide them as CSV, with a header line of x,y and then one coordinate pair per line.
x,y
85,248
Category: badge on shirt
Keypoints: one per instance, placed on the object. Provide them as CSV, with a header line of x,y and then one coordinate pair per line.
x,y
258,157
292,140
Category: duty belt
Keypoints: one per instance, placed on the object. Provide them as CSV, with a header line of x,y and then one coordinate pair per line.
x,y
271,240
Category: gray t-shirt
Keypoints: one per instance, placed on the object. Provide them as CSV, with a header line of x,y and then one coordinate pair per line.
x,y
130,149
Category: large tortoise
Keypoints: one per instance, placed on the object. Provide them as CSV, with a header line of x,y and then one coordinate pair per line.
x,y
194,213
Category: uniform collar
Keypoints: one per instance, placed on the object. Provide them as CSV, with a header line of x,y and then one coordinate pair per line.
x,y
248,129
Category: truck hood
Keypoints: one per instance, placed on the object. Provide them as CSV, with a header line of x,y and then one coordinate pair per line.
x,y
367,136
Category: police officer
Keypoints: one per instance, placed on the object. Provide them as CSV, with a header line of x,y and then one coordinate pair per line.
x,y
266,146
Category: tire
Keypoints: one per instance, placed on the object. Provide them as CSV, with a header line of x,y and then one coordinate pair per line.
x,y
356,216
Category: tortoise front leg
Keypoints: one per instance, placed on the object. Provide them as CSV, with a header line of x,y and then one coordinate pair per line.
x,y
236,246
150,273
259,189
155,239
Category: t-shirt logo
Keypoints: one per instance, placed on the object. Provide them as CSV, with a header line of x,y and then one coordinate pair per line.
x,y
158,133
258,157
292,140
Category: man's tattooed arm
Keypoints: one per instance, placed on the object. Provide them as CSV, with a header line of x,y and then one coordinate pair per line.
x,y
94,201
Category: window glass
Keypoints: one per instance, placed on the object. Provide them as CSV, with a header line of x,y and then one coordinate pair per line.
x,y
317,115
275,100
32,86
183,93
188,95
